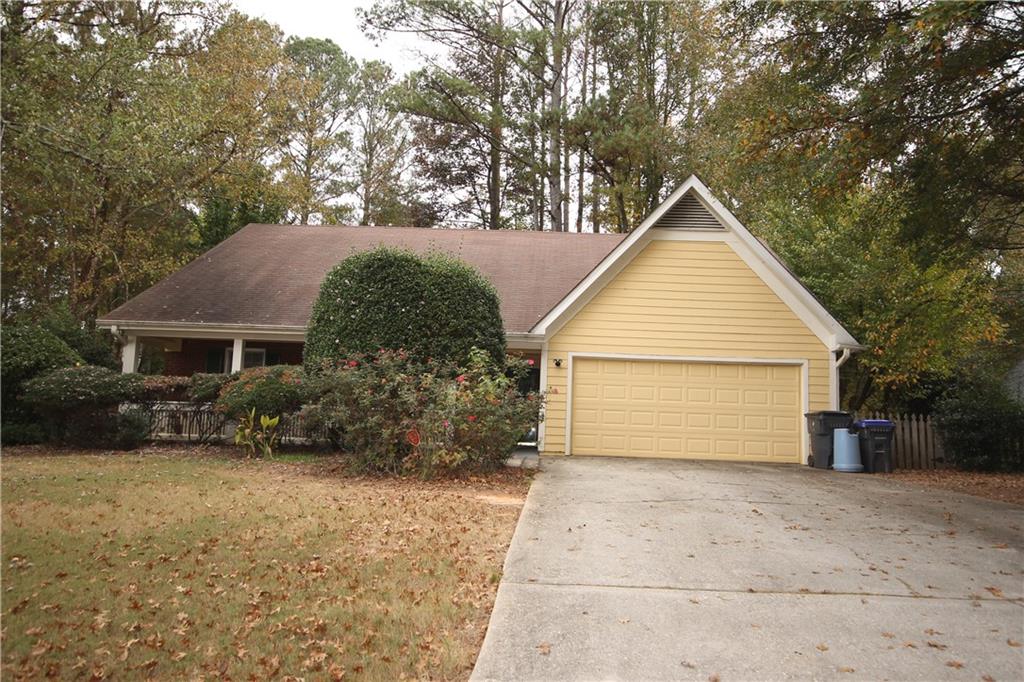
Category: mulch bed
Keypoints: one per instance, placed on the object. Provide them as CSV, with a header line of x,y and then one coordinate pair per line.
x,y
994,486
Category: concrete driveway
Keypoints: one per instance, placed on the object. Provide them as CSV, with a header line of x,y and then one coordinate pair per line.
x,y
659,570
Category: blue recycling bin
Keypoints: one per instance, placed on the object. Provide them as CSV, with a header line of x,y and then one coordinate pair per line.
x,y
875,437
846,448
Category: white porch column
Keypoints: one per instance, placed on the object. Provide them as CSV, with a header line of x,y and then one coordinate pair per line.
x,y
130,355
237,353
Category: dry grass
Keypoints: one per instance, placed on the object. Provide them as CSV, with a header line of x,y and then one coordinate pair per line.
x,y
994,486
168,563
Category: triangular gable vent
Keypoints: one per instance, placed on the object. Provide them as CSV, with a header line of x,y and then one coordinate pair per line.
x,y
689,213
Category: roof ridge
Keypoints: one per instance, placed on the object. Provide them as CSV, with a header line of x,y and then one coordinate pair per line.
x,y
458,230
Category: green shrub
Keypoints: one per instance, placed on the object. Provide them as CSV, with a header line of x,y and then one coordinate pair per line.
x,y
131,428
79,405
271,391
981,427
95,346
20,432
206,388
161,388
475,420
29,351
433,308
368,404
393,413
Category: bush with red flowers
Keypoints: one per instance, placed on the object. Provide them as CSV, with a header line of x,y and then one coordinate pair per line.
x,y
393,413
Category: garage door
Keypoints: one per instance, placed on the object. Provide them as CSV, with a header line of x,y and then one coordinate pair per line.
x,y
701,410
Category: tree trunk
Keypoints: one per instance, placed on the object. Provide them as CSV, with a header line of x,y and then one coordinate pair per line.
x,y
584,66
566,159
497,114
554,170
595,198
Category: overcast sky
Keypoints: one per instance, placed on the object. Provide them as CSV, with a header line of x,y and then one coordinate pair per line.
x,y
334,19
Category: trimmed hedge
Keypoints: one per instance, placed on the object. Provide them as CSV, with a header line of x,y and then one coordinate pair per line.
x,y
79,406
435,308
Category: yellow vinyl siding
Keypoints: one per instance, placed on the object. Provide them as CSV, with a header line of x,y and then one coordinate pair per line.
x,y
645,408
683,298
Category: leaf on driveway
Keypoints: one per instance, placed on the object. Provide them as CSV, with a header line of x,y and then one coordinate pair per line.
x,y
544,648
954,664
822,647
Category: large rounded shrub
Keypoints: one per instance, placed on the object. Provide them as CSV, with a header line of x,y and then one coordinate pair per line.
x,y
435,307
29,351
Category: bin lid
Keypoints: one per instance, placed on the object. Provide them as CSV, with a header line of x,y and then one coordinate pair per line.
x,y
872,422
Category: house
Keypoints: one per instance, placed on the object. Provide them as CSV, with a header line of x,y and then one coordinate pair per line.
x,y
686,338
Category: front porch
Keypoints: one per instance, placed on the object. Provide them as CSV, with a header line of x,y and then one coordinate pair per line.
x,y
187,356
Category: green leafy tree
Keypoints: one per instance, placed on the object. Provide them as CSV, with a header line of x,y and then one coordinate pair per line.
x,y
116,116
381,152
312,158
929,94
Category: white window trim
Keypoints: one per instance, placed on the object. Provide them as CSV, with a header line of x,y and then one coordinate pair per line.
x,y
800,362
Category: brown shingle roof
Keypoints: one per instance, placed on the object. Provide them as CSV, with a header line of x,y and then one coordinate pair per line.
x,y
271,274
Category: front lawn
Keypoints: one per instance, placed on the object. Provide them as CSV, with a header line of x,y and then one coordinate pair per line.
x,y
182,564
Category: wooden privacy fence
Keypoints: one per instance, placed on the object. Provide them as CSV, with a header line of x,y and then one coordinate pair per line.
x,y
915,443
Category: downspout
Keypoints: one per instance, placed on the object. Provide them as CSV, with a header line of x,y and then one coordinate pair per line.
x,y
834,376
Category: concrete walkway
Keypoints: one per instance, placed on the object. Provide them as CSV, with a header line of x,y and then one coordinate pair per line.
x,y
651,570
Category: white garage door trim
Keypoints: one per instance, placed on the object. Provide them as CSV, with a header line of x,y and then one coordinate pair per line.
x,y
802,363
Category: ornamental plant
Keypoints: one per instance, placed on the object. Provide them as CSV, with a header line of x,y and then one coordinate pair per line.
x,y
433,308
476,420
394,413
275,390
368,403
258,434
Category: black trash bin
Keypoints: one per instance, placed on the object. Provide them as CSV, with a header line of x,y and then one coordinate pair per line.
x,y
821,425
875,437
